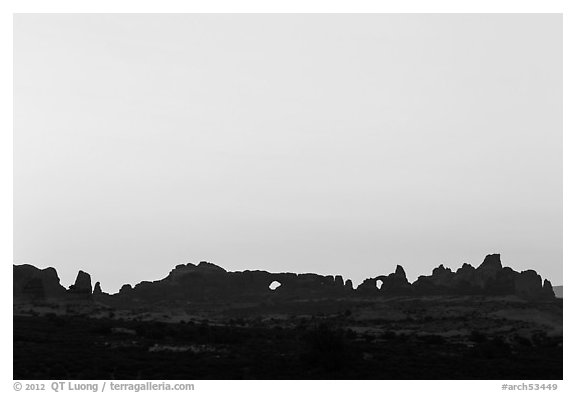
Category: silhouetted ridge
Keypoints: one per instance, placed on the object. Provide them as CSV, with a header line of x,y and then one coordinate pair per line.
x,y
207,282
31,283
491,262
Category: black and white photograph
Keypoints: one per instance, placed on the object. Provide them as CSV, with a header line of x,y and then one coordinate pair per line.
x,y
288,196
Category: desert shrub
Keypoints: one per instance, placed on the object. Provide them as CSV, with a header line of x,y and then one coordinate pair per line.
x,y
388,335
327,347
368,337
522,341
432,339
351,334
539,338
101,330
494,348
155,331
477,337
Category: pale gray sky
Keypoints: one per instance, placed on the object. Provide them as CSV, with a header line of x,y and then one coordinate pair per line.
x,y
335,144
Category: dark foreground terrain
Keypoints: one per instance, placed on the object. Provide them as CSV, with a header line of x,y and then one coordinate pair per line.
x,y
396,339
204,322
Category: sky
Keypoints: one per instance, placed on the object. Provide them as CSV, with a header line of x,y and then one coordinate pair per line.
x,y
327,143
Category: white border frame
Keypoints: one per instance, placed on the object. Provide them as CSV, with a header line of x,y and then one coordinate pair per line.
x,y
566,7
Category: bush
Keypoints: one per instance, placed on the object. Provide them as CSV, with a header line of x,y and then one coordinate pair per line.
x,y
477,337
327,347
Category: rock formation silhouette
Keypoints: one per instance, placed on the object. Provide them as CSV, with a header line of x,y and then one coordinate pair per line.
x,y
97,289
31,283
82,287
393,284
207,282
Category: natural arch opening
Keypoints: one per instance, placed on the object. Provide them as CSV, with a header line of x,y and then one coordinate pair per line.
x,y
273,285
379,284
